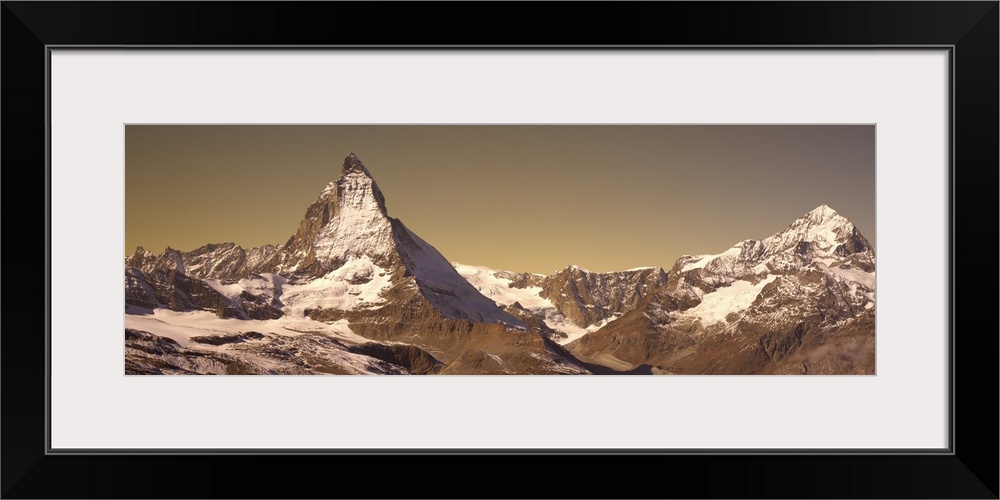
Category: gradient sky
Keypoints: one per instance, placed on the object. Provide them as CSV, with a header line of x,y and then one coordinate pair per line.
x,y
532,198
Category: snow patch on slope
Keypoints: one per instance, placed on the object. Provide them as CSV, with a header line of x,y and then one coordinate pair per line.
x,y
864,278
705,259
355,285
499,290
268,285
181,326
360,228
279,335
736,297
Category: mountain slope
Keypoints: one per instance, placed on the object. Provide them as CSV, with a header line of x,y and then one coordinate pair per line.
x,y
572,301
756,307
348,261
345,235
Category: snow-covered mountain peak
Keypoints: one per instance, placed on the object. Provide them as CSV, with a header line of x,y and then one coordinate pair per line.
x,y
352,164
348,220
349,224
351,220
821,233
822,215
823,228
823,210
357,186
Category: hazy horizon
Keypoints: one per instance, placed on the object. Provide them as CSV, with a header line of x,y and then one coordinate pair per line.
x,y
527,198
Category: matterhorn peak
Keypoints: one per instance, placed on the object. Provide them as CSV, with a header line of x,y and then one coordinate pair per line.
x,y
348,230
347,221
352,164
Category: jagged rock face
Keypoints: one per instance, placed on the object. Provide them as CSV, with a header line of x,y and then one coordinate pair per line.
x,y
255,353
521,280
147,262
414,359
819,235
347,226
148,354
348,260
821,240
139,292
638,336
588,298
178,292
408,317
218,260
569,303
844,350
756,307
348,220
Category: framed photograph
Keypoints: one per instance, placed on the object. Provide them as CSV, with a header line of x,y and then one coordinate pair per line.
x,y
698,209
354,290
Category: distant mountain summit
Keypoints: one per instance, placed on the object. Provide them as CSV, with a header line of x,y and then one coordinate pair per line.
x,y
760,306
822,232
819,234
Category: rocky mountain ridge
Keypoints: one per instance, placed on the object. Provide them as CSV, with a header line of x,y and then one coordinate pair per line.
x,y
759,307
348,263
798,301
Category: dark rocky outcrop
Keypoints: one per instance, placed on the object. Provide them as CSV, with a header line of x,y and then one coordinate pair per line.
x,y
176,291
587,298
414,359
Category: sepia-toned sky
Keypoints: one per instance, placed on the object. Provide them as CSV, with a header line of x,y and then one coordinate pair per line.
x,y
532,198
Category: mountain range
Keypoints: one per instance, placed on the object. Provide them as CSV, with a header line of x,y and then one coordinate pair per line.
x,y
354,291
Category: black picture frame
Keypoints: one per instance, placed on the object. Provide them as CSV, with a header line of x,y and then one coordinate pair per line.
x,y
969,469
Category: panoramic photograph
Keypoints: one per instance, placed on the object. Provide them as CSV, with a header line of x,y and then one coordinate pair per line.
x,y
499,249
